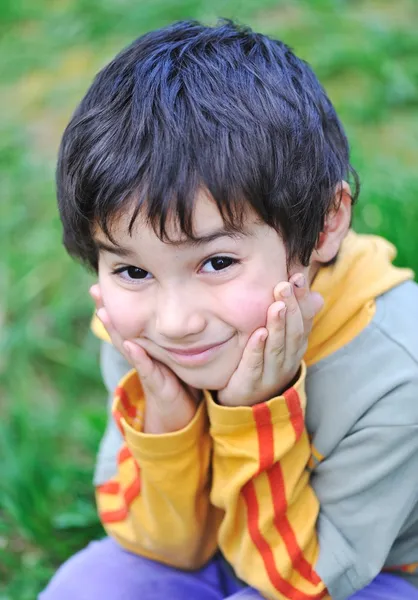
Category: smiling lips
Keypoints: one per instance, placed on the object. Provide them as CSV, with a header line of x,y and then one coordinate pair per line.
x,y
192,351
194,355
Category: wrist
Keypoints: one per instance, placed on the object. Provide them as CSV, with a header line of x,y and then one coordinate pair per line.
x,y
290,404
258,397
172,420
151,446
291,383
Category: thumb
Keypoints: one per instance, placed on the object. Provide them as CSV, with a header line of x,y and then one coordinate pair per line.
x,y
142,362
159,383
169,406
249,371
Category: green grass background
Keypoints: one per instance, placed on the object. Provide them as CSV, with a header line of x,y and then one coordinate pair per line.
x,y
52,403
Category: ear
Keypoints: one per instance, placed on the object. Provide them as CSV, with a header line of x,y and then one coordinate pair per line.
x,y
336,225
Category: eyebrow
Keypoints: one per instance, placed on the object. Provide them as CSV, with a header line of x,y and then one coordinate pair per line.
x,y
191,243
119,250
209,237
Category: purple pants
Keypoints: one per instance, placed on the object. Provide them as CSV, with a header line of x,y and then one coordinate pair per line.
x,y
105,571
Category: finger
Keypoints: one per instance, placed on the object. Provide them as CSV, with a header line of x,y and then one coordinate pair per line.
x,y
309,302
154,379
274,350
149,370
250,369
96,294
294,325
115,337
253,355
284,292
141,361
248,375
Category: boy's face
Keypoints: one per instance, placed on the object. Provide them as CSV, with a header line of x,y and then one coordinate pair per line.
x,y
203,301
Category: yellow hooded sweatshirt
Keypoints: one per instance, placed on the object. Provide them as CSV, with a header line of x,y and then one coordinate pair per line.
x,y
237,478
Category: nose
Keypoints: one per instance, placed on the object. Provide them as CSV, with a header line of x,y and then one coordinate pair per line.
x,y
178,315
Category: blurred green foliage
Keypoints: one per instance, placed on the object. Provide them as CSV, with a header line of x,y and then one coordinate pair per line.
x,y
51,399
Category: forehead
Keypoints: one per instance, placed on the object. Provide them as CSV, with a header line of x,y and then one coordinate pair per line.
x,y
207,223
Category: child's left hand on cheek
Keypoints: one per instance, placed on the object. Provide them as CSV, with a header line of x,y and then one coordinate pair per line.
x,y
272,357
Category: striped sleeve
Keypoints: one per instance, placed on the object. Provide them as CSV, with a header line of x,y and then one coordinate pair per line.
x,y
261,481
157,504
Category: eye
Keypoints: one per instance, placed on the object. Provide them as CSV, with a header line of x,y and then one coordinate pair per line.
x,y
218,263
132,273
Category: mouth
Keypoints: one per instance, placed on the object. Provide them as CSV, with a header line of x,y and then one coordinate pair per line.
x,y
195,356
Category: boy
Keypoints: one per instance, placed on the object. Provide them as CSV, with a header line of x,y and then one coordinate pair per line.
x,y
272,411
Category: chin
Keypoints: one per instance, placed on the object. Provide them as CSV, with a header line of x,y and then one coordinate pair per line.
x,y
215,379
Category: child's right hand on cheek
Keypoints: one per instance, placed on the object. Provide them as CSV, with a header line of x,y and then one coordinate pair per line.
x,y
170,405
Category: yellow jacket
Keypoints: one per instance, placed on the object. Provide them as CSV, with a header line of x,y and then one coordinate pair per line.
x,y
238,478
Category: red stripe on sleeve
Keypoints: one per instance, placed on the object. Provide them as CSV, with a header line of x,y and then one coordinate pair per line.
x,y
118,417
124,454
262,418
281,585
129,408
295,410
282,524
110,487
265,436
128,496
132,491
114,516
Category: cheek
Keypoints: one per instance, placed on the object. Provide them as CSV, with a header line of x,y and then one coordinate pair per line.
x,y
124,310
246,307
247,299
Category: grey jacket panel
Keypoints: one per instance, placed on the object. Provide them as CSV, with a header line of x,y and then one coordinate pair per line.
x,y
362,416
113,367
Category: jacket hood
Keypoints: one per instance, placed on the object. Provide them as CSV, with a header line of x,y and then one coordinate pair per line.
x,y
362,272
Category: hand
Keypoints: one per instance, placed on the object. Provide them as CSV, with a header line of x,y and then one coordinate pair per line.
x,y
170,405
273,354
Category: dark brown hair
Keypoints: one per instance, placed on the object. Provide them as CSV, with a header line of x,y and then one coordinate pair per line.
x,y
188,107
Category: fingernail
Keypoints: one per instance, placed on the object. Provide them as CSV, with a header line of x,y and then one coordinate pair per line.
x,y
281,312
287,291
299,281
263,336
